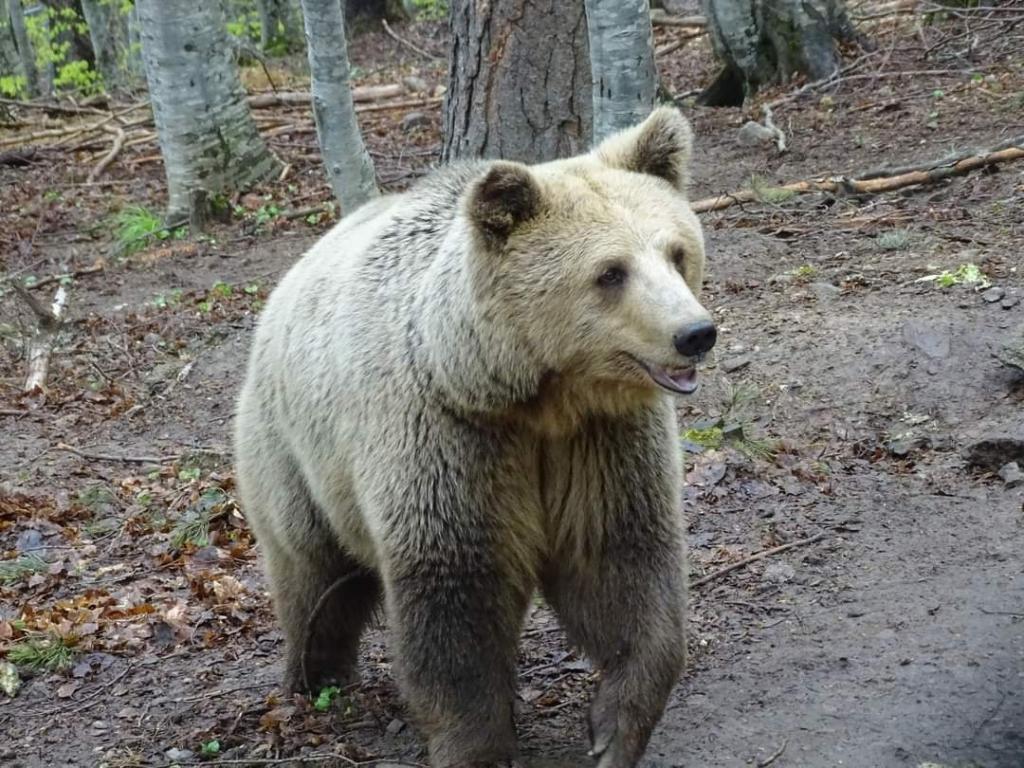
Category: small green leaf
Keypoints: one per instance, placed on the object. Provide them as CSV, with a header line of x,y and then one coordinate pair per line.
x,y
325,698
211,747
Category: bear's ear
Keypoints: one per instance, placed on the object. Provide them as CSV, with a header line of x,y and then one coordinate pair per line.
x,y
659,146
505,197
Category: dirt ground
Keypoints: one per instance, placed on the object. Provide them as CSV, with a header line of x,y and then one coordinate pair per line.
x,y
850,391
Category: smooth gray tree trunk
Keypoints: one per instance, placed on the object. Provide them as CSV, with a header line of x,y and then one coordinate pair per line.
x,y
279,23
348,164
207,135
621,63
770,41
9,63
102,18
26,53
518,80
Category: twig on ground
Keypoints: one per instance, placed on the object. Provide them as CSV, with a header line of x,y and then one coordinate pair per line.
x,y
125,458
714,575
924,173
48,323
678,43
1018,614
773,756
780,137
98,266
107,159
407,43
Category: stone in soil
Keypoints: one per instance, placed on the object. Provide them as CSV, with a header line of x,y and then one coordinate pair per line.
x,y
928,338
779,572
1011,474
414,121
734,364
993,294
993,451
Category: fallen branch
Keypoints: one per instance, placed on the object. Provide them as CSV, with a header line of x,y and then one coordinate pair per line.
x,y
773,756
302,98
107,159
408,44
98,266
661,19
678,43
753,559
126,459
48,323
870,184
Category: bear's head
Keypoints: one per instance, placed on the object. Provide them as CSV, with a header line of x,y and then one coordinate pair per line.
x,y
595,262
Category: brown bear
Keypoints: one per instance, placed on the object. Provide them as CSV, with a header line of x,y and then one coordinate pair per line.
x,y
463,394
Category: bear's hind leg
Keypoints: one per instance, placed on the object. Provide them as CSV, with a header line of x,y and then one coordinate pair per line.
x,y
323,599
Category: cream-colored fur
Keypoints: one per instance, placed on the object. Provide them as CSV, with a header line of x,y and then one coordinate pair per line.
x,y
447,407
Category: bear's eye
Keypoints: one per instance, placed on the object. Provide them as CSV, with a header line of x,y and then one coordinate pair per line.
x,y
613,277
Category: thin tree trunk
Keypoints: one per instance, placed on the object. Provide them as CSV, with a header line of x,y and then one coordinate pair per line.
x,y
100,17
349,167
207,135
518,80
621,63
769,41
26,53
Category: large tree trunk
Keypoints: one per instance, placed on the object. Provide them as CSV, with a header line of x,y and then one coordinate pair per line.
x,y
770,41
518,80
621,63
102,19
208,138
9,62
349,167
26,53
279,25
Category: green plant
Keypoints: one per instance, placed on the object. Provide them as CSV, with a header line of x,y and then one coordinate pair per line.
x,y
12,86
211,747
965,274
805,273
326,697
893,240
431,10
707,437
50,652
20,567
136,224
267,212
78,76
96,497
766,193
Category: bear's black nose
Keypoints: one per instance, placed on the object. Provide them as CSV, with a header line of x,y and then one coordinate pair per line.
x,y
696,338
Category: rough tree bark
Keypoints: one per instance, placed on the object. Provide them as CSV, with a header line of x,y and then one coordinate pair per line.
x,y
768,41
518,80
279,24
207,136
103,17
9,63
26,53
348,164
621,63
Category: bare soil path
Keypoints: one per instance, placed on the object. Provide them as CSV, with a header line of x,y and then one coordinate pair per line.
x,y
848,388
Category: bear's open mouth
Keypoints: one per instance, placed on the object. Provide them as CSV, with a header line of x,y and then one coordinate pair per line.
x,y
681,381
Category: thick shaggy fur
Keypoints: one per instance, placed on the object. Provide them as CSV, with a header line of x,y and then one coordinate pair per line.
x,y
444,405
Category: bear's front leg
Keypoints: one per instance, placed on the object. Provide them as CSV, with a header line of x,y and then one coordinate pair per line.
x,y
617,580
456,589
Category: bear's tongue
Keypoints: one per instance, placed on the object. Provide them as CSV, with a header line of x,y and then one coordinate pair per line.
x,y
681,380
